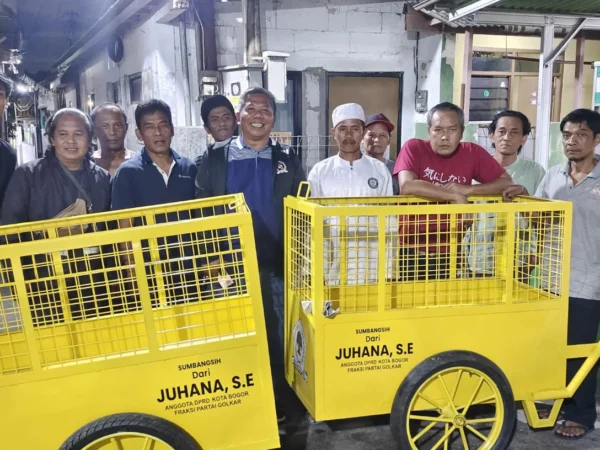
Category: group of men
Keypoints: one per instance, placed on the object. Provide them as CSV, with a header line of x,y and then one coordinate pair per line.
x,y
244,159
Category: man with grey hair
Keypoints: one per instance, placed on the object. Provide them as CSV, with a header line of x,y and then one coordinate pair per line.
x,y
266,173
110,127
442,169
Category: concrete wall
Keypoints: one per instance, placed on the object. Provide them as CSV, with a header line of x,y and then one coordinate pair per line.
x,y
153,50
325,36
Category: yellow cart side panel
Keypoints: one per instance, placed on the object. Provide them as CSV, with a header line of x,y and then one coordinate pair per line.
x,y
209,402
366,361
301,365
162,317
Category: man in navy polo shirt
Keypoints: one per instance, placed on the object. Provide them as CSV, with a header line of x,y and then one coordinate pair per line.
x,y
155,176
265,172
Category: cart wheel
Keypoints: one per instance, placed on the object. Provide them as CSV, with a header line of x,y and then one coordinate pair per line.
x,y
458,398
130,431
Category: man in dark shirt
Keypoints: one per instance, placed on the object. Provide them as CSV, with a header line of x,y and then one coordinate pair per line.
x,y
41,190
155,176
8,157
265,172
219,120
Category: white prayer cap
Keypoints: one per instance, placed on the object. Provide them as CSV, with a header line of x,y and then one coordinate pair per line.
x,y
347,111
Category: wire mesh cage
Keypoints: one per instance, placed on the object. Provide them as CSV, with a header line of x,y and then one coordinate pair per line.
x,y
109,285
376,254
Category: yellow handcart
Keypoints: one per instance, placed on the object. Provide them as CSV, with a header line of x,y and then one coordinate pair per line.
x,y
140,329
385,314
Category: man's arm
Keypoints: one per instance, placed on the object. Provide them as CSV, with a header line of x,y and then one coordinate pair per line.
x,y
203,184
299,175
495,187
387,187
122,198
15,208
313,180
410,185
541,191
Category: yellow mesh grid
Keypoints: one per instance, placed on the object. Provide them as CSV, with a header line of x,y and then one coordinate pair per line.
x,y
371,254
123,283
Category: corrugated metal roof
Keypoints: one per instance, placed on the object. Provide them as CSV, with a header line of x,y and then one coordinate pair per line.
x,y
569,7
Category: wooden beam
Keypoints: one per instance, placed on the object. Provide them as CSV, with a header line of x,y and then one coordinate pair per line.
x,y
415,21
579,66
467,69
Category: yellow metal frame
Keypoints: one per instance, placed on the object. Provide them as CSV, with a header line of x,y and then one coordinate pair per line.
x,y
58,377
514,330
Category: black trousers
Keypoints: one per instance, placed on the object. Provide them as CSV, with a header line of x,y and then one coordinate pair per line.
x,y
584,318
87,292
419,266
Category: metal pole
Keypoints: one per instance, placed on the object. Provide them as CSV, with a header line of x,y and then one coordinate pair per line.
x,y
563,44
579,66
38,128
467,69
205,15
544,99
185,71
252,41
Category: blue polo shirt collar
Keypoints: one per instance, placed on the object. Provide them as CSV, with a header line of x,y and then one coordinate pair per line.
x,y
242,144
146,158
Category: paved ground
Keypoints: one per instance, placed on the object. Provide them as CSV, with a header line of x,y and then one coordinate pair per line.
x,y
374,434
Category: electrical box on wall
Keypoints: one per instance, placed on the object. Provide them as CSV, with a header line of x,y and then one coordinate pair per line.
x,y
236,79
209,83
276,74
421,102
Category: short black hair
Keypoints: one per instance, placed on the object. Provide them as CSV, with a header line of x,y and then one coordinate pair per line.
x,y
6,86
581,116
258,91
510,113
446,106
212,102
52,122
99,108
150,107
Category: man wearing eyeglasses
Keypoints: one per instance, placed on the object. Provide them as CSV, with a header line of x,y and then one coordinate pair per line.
x,y
441,169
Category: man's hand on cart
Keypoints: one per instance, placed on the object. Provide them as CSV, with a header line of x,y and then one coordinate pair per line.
x,y
461,192
511,192
211,270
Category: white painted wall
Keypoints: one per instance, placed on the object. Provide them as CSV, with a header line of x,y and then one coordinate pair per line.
x,y
358,36
153,50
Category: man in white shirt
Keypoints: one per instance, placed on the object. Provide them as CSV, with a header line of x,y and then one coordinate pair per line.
x,y
350,173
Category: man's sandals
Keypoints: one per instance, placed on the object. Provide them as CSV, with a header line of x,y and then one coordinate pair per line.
x,y
574,427
561,425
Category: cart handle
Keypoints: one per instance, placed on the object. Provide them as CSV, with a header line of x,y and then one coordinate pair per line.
x,y
237,203
306,185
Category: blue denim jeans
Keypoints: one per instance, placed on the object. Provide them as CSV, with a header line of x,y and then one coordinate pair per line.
x,y
272,288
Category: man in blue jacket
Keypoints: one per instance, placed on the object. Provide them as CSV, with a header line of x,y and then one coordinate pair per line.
x,y
158,175
265,172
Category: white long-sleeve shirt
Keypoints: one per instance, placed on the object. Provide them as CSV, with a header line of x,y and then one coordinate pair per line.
x,y
365,177
336,177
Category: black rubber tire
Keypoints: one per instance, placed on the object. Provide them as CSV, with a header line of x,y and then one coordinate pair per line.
x,y
162,429
429,367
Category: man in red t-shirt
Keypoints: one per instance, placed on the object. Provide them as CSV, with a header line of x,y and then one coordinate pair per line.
x,y
441,169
